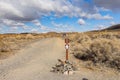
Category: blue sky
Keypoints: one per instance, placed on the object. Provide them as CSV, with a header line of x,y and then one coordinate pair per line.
x,y
42,16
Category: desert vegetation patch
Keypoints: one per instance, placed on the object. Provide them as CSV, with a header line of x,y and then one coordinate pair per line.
x,y
98,48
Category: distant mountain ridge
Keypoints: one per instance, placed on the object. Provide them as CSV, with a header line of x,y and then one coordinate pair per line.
x,y
114,27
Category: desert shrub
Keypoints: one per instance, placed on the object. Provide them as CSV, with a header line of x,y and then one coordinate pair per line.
x,y
103,50
83,38
29,36
4,46
104,35
79,38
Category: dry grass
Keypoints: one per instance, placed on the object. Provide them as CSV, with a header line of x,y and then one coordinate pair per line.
x,y
4,46
97,47
12,42
100,48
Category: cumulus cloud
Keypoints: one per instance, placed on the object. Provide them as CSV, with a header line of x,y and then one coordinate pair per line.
x,y
112,23
27,10
86,5
34,30
36,22
0,29
108,4
12,26
99,27
103,4
98,9
99,16
40,26
11,23
59,27
81,22
32,9
15,13
25,27
6,9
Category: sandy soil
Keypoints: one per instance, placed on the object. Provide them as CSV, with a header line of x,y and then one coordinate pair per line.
x,y
34,62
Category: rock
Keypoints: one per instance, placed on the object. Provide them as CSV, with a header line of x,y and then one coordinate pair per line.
x,y
84,79
64,67
70,72
65,73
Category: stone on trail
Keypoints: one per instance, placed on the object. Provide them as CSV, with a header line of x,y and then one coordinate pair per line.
x,y
63,67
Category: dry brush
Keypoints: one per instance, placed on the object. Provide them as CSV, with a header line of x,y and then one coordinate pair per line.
x,y
99,48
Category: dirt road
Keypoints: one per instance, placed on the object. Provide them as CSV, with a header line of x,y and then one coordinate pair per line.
x,y
35,61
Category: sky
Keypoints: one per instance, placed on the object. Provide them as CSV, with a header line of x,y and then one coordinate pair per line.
x,y
41,16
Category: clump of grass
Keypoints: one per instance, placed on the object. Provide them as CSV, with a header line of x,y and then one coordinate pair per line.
x,y
12,42
4,46
104,50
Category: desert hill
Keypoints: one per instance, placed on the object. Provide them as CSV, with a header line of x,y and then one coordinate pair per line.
x,y
114,27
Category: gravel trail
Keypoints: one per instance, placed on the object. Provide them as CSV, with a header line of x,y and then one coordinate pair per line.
x,y
34,62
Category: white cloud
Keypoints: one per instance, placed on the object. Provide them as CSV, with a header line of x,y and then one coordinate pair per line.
x,y
15,13
41,26
107,17
14,28
27,10
25,27
81,22
99,27
11,23
112,23
98,9
6,9
104,9
112,5
99,16
36,22
59,27
0,29
34,30
106,4
32,9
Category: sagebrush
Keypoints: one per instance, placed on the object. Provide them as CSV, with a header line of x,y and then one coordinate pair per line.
x,y
98,48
